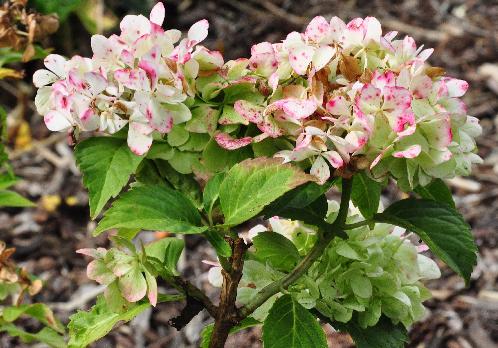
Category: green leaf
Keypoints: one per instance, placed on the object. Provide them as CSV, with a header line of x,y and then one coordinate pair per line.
x,y
382,335
14,199
87,327
253,184
217,159
279,251
212,191
185,183
442,228
168,251
290,325
46,335
7,180
219,243
437,190
299,198
160,150
152,208
366,194
106,164
207,332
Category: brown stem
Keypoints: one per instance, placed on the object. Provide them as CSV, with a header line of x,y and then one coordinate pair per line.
x,y
227,316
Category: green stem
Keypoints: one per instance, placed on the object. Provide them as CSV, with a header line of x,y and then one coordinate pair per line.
x,y
357,224
302,267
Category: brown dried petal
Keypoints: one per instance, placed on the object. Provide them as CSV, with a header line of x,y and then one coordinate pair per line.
x,y
349,67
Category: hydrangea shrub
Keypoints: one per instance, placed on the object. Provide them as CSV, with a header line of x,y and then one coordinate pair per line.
x,y
189,143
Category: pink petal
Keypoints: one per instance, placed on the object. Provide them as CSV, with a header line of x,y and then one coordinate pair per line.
x,y
456,88
296,108
300,58
249,111
322,57
411,152
373,30
334,158
317,29
226,141
339,106
160,118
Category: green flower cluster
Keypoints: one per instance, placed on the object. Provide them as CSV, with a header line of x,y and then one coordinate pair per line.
x,y
373,272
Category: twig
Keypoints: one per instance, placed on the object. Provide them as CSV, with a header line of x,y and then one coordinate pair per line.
x,y
227,311
196,301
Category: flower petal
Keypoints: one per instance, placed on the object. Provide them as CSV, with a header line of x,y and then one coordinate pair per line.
x,y
57,121
228,142
139,138
44,77
56,64
320,169
157,14
249,111
411,152
199,31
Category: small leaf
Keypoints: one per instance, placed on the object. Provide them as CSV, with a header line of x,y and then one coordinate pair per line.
x,y
168,251
442,228
14,199
39,311
219,243
106,164
155,208
45,335
279,251
437,190
366,194
253,184
87,327
290,325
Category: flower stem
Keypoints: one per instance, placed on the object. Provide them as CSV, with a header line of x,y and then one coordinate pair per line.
x,y
302,267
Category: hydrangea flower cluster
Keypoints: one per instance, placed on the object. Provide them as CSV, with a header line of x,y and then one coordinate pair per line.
x,y
350,96
342,96
138,78
372,272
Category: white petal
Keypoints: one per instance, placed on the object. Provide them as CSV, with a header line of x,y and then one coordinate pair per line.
x,y
139,138
97,83
215,277
320,169
56,64
300,57
199,31
157,14
42,100
322,56
411,152
44,77
57,121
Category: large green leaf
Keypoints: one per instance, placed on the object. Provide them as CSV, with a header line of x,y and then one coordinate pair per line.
x,y
219,243
290,325
212,191
441,227
14,199
382,335
365,194
106,164
152,208
437,191
277,250
253,184
217,159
